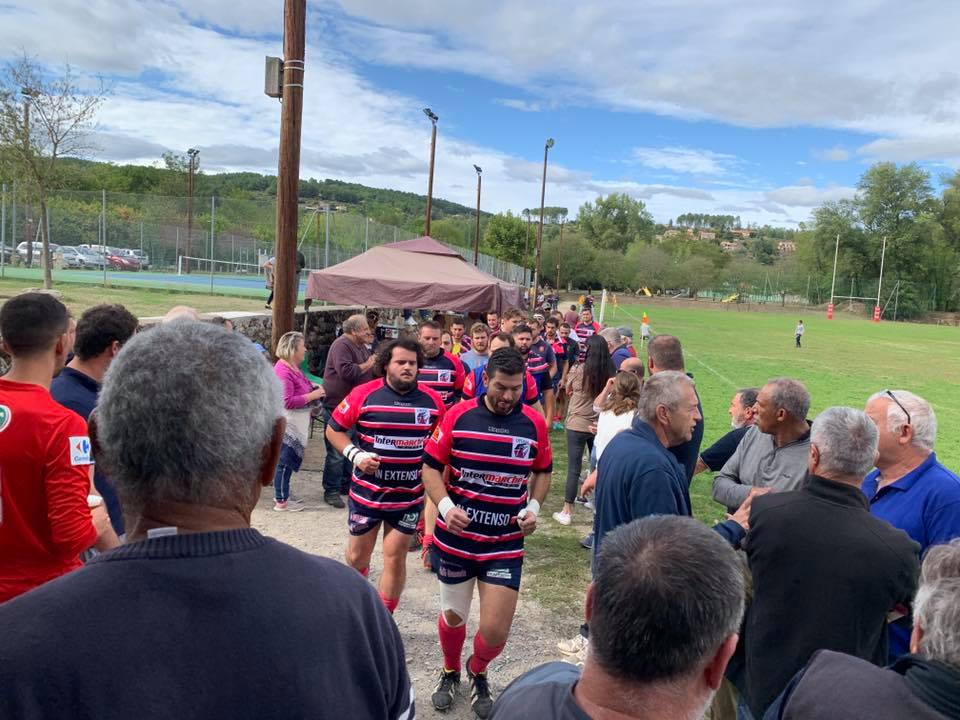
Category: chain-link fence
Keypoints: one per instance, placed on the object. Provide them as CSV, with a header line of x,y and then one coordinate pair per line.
x,y
224,235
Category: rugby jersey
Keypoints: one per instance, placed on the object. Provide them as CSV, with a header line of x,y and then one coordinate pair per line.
x,y
490,457
473,385
462,346
584,331
395,426
444,374
538,361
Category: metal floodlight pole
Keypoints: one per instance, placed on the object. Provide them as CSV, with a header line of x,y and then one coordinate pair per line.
x,y
433,151
103,226
559,253
326,230
476,239
543,193
192,154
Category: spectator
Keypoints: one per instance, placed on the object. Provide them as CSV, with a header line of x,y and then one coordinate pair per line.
x,y
299,398
638,475
101,332
460,341
570,316
664,609
627,334
269,275
910,489
479,351
772,454
181,312
45,456
349,363
742,411
822,542
223,322
616,345
493,322
924,685
446,342
584,329
664,352
511,318
584,383
210,600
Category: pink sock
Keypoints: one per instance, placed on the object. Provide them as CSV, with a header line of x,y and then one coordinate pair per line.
x,y
427,541
390,603
451,642
365,571
483,654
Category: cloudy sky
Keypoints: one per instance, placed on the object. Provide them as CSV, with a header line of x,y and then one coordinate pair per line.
x,y
761,109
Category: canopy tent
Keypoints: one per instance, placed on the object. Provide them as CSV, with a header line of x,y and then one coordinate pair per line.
x,y
419,273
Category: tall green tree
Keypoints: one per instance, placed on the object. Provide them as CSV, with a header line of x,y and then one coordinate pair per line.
x,y
505,235
615,222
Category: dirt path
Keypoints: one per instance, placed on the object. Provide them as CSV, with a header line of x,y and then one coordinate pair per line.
x,y
322,530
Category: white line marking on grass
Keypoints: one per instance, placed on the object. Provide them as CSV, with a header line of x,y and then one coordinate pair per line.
x,y
689,354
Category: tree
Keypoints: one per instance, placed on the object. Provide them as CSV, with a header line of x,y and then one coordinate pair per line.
x,y
615,222
53,121
650,266
505,235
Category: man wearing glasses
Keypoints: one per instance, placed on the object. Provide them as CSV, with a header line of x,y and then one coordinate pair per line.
x,y
910,489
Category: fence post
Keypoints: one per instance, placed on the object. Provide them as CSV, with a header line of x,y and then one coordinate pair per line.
x,y
103,230
213,216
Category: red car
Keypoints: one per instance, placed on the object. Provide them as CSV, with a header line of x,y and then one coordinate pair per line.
x,y
122,262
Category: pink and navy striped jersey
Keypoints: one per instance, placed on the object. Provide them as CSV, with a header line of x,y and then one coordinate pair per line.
x,y
539,358
584,331
395,426
473,385
444,374
490,457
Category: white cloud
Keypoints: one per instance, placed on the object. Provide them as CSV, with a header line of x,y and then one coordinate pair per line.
x,y
834,154
522,105
808,195
942,148
684,160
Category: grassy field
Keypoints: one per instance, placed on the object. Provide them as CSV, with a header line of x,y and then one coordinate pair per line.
x,y
843,361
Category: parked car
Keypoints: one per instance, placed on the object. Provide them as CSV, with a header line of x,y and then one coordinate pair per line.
x,y
37,250
119,261
72,256
90,258
140,256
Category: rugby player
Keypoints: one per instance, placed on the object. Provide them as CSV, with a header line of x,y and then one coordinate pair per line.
x,y
498,450
461,341
443,372
475,385
394,415
584,329
541,362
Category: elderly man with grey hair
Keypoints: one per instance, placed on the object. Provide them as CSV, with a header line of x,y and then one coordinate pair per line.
x,y
637,475
349,364
924,685
201,606
772,455
616,345
910,489
826,573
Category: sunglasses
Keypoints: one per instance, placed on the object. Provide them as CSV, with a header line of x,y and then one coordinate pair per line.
x,y
893,397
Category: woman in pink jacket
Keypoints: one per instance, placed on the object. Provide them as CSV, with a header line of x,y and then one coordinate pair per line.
x,y
298,396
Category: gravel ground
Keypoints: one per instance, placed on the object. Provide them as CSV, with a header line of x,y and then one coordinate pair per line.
x,y
322,530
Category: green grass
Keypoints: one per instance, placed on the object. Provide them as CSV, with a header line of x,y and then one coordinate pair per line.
x,y
843,362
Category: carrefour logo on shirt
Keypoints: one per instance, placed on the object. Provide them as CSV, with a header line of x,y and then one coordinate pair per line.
x,y
5,416
80,450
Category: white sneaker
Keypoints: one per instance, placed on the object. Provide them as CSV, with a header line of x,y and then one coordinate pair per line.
x,y
562,518
286,506
572,646
296,503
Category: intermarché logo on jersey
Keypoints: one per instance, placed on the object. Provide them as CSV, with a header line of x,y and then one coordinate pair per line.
x,y
5,417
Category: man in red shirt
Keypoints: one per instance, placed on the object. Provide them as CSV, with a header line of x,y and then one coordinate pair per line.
x,y
45,454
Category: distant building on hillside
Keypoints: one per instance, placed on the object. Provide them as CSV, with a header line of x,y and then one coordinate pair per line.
x,y
742,232
731,246
672,232
785,247
708,235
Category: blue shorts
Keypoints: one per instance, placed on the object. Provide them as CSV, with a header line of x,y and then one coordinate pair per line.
x,y
362,519
453,570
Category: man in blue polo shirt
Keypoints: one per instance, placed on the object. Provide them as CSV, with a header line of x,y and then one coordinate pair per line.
x,y
101,332
910,489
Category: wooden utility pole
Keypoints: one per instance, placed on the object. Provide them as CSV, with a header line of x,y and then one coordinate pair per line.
x,y
288,170
191,169
559,254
